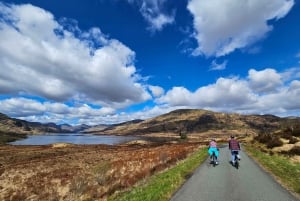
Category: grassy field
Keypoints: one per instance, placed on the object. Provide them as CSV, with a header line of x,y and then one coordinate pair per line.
x,y
287,172
161,186
90,172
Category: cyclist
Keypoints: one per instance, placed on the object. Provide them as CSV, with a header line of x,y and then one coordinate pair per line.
x,y
234,147
213,147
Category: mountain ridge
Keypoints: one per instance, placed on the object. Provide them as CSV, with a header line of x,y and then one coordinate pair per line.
x,y
14,125
176,121
193,121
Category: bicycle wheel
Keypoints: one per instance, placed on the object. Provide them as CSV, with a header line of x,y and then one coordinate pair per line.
x,y
214,160
236,162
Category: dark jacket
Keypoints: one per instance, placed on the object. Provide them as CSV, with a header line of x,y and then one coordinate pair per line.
x,y
234,144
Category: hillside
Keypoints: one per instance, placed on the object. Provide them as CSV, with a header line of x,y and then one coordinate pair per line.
x,y
12,125
184,121
194,121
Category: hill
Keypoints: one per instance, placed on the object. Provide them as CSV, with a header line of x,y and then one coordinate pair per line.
x,y
192,122
197,121
12,125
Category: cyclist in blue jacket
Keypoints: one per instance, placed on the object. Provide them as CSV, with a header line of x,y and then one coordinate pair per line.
x,y
213,147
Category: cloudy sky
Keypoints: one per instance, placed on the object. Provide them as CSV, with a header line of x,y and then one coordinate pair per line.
x,y
110,61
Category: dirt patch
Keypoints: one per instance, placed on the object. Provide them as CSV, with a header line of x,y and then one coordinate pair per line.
x,y
82,172
60,145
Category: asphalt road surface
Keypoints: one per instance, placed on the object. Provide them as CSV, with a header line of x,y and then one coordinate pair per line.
x,y
226,183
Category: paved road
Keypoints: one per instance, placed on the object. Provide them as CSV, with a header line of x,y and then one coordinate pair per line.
x,y
226,183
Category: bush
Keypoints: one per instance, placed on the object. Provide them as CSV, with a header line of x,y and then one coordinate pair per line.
x,y
293,140
263,138
270,140
295,150
296,132
274,142
286,135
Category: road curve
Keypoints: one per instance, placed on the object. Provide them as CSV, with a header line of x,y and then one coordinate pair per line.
x,y
226,183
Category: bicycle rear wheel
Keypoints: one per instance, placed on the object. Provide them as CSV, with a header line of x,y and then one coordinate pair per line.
x,y
237,164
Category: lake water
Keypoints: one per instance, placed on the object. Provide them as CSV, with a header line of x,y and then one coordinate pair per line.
x,y
74,138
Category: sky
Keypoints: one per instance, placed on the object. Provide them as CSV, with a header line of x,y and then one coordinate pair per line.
x,y
110,61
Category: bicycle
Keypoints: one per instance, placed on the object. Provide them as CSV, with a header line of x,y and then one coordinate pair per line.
x,y
214,161
236,163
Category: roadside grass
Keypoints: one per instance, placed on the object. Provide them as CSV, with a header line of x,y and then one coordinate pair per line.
x,y
161,186
281,167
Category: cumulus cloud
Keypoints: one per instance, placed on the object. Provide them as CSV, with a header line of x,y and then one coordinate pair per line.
x,y
261,92
41,57
154,13
222,26
156,90
231,94
45,112
226,92
264,81
291,74
34,110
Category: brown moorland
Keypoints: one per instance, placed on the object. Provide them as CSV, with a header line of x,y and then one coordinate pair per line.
x,y
93,172
82,172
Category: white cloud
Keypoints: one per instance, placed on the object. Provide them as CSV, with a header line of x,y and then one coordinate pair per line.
x,y
156,90
291,74
222,26
154,13
216,66
242,95
264,81
33,110
177,96
225,95
38,56
18,107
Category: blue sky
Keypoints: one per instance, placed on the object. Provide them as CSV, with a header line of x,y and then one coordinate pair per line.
x,y
110,61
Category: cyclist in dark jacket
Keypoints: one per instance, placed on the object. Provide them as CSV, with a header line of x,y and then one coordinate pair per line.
x,y
234,147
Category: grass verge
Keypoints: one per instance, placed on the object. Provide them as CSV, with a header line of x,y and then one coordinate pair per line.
x,y
287,172
160,187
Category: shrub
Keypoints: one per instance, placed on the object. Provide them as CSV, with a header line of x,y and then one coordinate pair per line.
x,y
274,142
296,132
79,185
270,140
293,140
293,130
295,150
263,138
